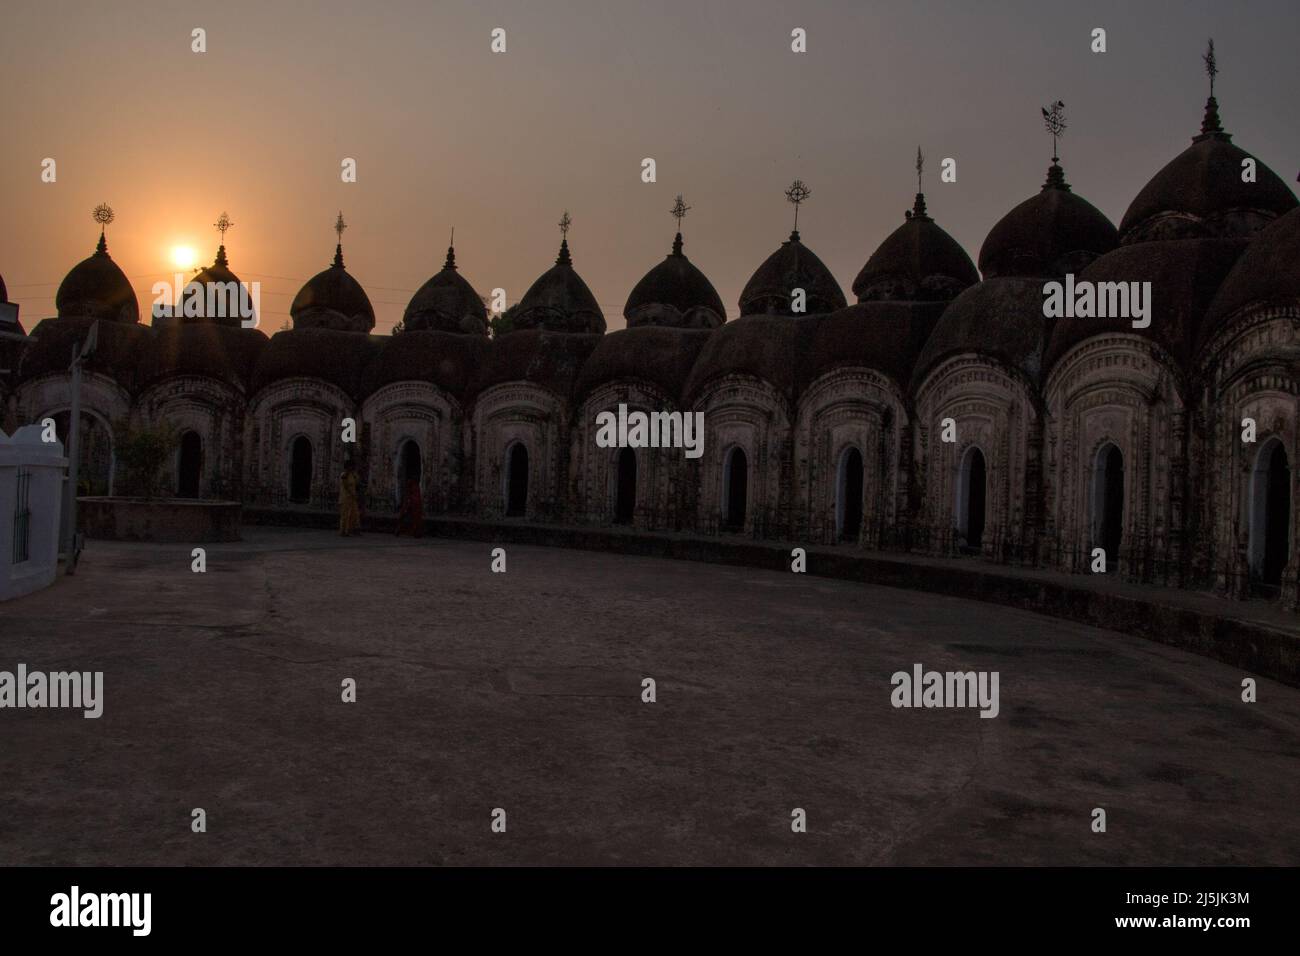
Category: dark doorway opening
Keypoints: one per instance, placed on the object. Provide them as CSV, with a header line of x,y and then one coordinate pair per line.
x,y
517,481
849,503
736,486
975,499
625,489
410,465
300,470
190,465
1270,526
1108,504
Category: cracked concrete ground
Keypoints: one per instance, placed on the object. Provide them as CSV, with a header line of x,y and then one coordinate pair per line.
x,y
522,691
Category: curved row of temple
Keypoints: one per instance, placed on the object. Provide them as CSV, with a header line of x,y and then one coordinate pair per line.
x,y
942,412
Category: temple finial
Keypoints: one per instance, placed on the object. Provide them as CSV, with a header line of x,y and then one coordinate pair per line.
x,y
564,259
221,225
918,207
1210,125
679,211
451,251
339,226
798,193
102,214
1054,120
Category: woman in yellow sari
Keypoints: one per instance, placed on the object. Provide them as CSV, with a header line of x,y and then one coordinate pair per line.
x,y
349,506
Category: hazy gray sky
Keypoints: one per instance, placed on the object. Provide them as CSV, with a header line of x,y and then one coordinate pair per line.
x,y
447,133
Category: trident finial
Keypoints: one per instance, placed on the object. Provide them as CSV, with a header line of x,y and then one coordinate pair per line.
x,y
920,166
797,193
565,221
1054,120
221,225
340,225
1211,65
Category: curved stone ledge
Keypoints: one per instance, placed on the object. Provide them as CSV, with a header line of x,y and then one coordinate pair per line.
x,y
161,520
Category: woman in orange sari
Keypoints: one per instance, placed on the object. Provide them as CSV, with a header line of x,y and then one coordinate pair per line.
x,y
410,519
349,506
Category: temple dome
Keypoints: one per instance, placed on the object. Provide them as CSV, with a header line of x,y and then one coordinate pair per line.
x,y
766,347
96,288
559,301
333,300
1266,276
227,313
998,318
446,359
1184,274
541,357
330,355
917,262
1200,194
661,356
209,349
1049,234
883,335
675,293
446,303
792,266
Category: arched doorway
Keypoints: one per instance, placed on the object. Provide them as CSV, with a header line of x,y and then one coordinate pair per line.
x,y
409,466
189,465
848,496
517,481
972,500
735,489
1270,516
94,452
625,487
300,470
1108,503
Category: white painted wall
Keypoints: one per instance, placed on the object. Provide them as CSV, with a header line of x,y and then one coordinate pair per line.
x,y
47,465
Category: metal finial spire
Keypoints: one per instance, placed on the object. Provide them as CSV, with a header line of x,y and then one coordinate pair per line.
x,y
920,167
451,251
221,225
102,214
564,259
679,211
1211,65
339,226
1054,120
798,193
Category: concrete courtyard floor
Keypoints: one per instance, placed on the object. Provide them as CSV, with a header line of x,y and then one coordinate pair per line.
x,y
523,691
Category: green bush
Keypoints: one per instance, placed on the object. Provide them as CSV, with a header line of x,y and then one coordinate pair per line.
x,y
141,452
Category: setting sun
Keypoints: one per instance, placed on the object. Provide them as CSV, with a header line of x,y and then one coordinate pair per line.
x,y
183,257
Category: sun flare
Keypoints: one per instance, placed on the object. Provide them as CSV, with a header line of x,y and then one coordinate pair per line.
x,y
183,257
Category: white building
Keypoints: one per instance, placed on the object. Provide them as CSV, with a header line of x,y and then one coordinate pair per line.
x,y
31,479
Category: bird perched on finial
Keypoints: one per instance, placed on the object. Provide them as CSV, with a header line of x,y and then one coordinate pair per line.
x,y
1054,120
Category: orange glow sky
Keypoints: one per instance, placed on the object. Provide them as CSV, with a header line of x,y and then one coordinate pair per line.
x,y
446,133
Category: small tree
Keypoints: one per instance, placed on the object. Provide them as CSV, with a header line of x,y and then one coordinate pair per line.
x,y
141,451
